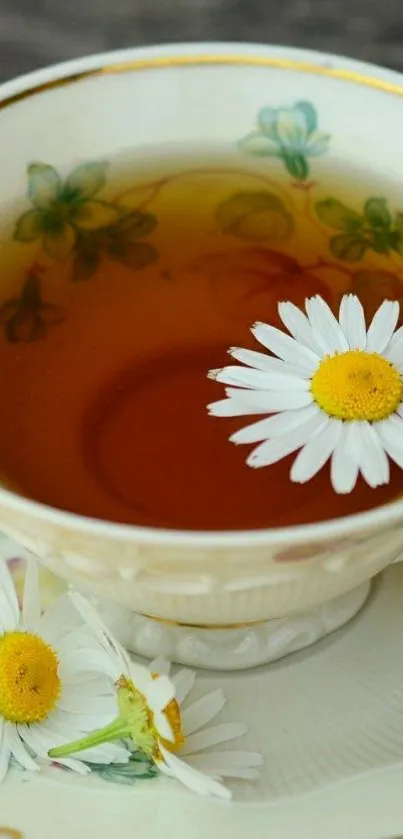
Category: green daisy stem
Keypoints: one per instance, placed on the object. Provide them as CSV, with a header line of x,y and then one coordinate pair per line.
x,y
116,730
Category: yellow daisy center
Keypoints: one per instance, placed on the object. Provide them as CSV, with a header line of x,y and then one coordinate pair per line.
x,y
29,680
357,385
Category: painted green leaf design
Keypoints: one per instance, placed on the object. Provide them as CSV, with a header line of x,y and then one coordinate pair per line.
x,y
136,225
85,181
335,214
91,215
255,217
44,185
385,241
349,247
296,165
136,769
309,113
29,226
85,265
377,214
134,255
59,243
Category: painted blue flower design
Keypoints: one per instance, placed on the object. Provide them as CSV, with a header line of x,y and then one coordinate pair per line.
x,y
290,134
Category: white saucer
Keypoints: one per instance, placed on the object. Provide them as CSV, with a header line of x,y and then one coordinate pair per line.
x,y
329,721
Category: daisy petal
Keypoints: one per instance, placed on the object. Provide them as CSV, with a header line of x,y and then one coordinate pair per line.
x,y
270,401
184,681
394,350
230,408
222,765
97,685
262,361
271,451
140,676
87,661
73,764
382,326
40,740
90,703
163,727
35,739
274,426
160,693
84,721
298,325
17,748
4,752
202,711
217,734
390,433
57,621
352,322
107,753
80,636
344,465
67,726
93,620
191,778
160,665
257,379
9,608
371,456
316,452
326,328
304,359
31,603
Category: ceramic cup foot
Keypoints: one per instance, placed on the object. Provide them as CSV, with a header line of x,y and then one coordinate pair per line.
x,y
233,648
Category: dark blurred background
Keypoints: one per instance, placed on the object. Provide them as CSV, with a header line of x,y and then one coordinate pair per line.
x,y
34,33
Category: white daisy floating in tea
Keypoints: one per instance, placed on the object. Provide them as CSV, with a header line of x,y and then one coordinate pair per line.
x,y
51,683
332,387
151,717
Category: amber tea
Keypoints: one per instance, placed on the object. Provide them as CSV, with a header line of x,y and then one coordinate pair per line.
x,y
117,300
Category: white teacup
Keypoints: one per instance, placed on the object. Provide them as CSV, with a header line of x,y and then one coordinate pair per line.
x,y
225,599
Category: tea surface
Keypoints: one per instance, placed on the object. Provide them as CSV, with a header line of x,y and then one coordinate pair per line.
x,y
113,315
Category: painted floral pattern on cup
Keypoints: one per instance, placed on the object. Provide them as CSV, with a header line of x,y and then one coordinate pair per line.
x,y
373,228
71,220
250,281
290,134
28,317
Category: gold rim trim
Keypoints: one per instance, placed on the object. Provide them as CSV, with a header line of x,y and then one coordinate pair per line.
x,y
208,60
169,622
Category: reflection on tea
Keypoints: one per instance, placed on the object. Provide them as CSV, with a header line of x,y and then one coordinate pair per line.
x,y
119,294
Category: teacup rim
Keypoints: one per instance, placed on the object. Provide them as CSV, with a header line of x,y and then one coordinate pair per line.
x,y
331,65
274,56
